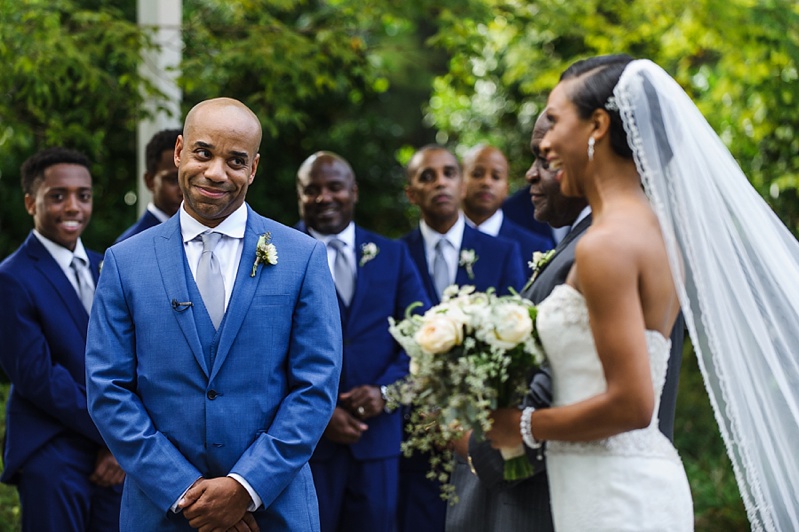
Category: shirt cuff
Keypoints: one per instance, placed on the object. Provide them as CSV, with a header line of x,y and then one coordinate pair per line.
x,y
174,507
256,502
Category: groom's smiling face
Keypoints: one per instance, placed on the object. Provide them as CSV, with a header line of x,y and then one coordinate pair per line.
x,y
217,157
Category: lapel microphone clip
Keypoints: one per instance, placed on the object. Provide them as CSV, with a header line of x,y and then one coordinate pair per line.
x,y
180,306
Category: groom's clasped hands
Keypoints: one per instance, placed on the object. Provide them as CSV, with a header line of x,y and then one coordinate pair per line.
x,y
218,504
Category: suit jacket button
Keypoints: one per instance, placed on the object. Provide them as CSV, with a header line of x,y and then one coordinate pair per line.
x,y
212,394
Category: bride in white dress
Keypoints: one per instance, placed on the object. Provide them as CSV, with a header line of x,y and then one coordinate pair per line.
x,y
694,235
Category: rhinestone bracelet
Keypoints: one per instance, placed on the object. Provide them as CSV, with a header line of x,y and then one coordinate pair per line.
x,y
526,429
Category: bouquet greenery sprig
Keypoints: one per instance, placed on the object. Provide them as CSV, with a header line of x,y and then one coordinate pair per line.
x,y
471,354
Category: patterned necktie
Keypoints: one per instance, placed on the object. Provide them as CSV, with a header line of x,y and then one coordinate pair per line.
x,y
440,268
85,288
342,272
210,280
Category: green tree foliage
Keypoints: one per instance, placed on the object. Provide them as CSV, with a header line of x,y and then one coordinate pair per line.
x,y
70,77
736,58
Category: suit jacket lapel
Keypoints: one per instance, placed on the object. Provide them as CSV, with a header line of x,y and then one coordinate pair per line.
x,y
243,289
171,257
468,242
571,235
362,273
416,247
46,264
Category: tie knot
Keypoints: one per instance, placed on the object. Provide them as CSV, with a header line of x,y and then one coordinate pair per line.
x,y
337,244
78,263
210,240
442,244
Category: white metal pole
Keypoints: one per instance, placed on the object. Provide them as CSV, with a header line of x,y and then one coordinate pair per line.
x,y
161,67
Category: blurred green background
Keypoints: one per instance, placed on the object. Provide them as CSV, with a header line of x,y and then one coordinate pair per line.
x,y
374,79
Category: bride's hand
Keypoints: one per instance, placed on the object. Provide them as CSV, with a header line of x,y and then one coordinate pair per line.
x,y
505,428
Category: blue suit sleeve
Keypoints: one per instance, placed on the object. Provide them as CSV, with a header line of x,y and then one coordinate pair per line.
x,y
409,291
27,359
314,368
146,454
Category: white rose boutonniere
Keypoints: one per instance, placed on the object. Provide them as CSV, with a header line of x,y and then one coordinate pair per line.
x,y
265,252
369,250
540,259
467,259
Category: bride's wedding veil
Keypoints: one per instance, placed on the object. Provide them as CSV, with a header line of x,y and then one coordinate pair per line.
x,y
737,274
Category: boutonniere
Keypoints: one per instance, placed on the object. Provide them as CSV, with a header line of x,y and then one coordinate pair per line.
x,y
265,252
100,267
540,259
369,250
467,259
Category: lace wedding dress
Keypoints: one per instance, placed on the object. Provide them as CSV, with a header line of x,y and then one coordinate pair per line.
x,y
632,481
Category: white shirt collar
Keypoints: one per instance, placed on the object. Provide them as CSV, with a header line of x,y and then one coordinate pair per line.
x,y
60,254
158,213
490,226
431,236
347,235
233,226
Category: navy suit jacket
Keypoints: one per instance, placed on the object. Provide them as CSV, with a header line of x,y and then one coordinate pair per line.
x,y
177,400
527,240
43,331
499,263
385,286
146,221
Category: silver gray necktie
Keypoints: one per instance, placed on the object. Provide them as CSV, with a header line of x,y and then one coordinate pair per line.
x,y
342,272
210,280
85,288
440,268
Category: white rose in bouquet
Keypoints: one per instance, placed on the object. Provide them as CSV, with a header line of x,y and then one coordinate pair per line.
x,y
439,333
509,324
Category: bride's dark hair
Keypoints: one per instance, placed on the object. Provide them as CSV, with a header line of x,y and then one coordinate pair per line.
x,y
598,77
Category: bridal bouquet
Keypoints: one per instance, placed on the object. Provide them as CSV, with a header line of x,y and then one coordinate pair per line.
x,y
471,354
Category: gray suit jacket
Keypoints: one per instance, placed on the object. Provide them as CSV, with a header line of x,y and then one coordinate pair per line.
x,y
487,501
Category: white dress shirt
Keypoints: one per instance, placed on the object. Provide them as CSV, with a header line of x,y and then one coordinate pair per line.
x,y
491,225
228,253
63,258
158,213
451,253
348,237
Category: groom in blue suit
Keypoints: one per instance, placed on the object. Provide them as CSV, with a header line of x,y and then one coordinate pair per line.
x,y
469,257
66,477
213,365
356,464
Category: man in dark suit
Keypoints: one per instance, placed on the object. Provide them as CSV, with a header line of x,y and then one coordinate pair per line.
x,y
214,349
485,174
446,251
356,464
66,477
161,178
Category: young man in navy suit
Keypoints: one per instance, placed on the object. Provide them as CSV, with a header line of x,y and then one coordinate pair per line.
x,y
485,174
446,251
161,178
356,464
66,477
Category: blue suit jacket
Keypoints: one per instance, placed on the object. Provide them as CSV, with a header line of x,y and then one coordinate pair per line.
x,y
528,241
43,331
385,286
499,263
146,221
258,410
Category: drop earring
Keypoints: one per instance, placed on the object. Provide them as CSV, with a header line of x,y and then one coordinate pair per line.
x,y
591,148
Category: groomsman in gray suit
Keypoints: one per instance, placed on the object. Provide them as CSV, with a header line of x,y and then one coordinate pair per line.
x,y
487,501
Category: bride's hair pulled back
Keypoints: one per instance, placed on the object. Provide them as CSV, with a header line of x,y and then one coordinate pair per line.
x,y
597,78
